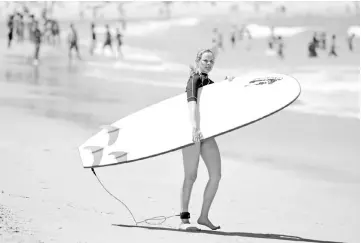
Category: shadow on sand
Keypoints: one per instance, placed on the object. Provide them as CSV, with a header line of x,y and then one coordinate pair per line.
x,y
240,234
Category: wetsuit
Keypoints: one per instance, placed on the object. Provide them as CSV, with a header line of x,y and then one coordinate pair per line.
x,y
195,82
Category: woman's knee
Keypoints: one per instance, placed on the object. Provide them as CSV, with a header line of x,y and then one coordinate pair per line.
x,y
191,177
215,177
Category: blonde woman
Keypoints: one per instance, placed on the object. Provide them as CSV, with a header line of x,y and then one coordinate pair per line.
x,y
207,149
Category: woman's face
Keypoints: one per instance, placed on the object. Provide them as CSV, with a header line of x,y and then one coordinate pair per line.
x,y
206,63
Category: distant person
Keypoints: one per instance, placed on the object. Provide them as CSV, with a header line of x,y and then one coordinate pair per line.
x,y
323,41
93,43
233,36
20,28
119,43
350,39
37,41
312,49
271,38
333,47
47,31
73,41
315,40
10,25
281,46
31,27
55,31
215,37
108,39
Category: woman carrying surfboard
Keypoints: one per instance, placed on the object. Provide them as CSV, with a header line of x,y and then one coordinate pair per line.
x,y
207,149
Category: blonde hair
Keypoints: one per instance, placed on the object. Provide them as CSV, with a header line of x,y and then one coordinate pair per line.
x,y
194,69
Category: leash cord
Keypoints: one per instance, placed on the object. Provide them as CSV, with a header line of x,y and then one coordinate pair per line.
x,y
156,218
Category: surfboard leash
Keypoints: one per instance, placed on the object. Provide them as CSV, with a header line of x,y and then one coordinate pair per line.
x,y
156,218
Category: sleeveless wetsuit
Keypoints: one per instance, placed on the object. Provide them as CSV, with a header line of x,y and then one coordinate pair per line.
x,y
195,82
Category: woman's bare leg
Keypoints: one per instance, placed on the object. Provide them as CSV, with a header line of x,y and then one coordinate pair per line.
x,y
212,159
190,162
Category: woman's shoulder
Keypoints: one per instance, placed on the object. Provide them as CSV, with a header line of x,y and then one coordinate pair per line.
x,y
195,76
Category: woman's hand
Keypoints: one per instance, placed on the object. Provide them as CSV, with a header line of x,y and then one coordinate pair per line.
x,y
229,78
197,135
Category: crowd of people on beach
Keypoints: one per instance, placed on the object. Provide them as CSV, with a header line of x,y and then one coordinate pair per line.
x,y
23,25
319,42
276,45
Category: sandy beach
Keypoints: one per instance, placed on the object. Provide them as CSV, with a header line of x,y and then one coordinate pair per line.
x,y
294,176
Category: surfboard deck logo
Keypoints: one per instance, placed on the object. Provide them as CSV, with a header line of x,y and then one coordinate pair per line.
x,y
262,81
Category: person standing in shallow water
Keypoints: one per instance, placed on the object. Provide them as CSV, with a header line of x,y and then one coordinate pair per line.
x,y
94,39
281,46
207,149
10,24
73,42
119,37
333,47
108,39
37,40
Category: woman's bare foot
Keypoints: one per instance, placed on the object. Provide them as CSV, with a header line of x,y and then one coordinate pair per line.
x,y
208,223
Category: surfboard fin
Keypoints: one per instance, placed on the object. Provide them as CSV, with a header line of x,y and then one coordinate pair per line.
x,y
97,152
120,156
113,133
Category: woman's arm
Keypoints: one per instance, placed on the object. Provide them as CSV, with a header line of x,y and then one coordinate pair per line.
x,y
193,114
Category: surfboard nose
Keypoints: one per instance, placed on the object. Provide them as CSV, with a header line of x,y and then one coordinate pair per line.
x,y
113,133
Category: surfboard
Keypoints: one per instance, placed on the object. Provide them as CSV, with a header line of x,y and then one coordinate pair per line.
x,y
165,126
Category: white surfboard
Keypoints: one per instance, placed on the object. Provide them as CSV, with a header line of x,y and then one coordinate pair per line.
x,y
164,127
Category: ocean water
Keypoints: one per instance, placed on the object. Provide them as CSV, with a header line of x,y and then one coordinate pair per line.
x,y
158,53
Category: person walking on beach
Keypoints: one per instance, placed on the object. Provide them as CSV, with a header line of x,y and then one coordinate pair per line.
x,y
73,41
316,40
93,43
312,48
323,40
207,149
271,38
55,31
281,46
31,28
333,47
119,44
108,39
20,28
350,39
10,25
233,36
37,41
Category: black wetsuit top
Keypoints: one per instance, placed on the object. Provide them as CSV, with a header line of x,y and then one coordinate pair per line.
x,y
195,82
